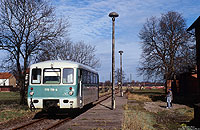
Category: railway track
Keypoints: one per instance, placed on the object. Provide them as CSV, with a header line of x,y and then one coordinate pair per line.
x,y
47,124
59,123
28,124
101,99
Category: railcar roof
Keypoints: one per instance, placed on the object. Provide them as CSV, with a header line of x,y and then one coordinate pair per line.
x,y
60,64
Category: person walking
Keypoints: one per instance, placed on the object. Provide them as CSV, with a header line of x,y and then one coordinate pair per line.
x,y
169,98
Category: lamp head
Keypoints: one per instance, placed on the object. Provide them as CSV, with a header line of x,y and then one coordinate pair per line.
x,y
113,14
120,52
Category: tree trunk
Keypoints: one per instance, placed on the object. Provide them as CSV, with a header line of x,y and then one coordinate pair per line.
x,y
22,90
23,86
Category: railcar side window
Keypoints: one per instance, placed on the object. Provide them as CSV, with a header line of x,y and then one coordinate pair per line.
x,y
51,76
68,76
36,76
84,76
88,78
96,79
92,78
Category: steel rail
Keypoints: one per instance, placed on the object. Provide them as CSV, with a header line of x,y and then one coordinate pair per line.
x,y
58,123
30,123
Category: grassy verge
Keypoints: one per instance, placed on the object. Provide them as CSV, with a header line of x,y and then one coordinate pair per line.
x,y
137,119
143,113
104,90
10,108
9,97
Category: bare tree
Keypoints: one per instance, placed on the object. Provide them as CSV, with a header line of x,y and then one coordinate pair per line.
x,y
85,54
54,51
25,27
166,47
107,83
66,50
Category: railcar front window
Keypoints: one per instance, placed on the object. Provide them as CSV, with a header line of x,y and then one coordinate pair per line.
x,y
51,76
36,76
68,76
84,76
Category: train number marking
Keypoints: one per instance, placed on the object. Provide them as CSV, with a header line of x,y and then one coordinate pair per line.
x,y
51,89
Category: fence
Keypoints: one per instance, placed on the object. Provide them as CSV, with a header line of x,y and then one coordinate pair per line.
x,y
8,89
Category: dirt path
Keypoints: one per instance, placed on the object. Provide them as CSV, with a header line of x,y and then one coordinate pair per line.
x,y
161,106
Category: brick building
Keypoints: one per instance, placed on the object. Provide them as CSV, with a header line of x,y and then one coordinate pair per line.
x,y
186,84
7,81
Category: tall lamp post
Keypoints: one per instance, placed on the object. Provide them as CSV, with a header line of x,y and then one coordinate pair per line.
x,y
113,15
121,92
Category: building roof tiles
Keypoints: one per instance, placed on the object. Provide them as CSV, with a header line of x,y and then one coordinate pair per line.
x,y
5,75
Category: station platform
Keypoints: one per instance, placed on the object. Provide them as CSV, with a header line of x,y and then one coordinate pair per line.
x,y
99,117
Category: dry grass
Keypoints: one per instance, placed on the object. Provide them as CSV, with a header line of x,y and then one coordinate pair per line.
x,y
141,113
135,116
104,93
137,119
138,97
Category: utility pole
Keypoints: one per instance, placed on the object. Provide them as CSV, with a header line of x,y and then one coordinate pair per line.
x,y
121,91
113,15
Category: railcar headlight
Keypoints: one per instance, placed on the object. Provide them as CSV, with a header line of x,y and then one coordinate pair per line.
x,y
71,93
31,93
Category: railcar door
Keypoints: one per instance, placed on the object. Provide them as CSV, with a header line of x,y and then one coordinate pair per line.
x,y
80,87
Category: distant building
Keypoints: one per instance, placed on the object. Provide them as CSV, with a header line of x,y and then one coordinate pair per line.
x,y
7,79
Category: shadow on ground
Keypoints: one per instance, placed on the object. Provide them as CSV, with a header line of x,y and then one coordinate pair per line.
x,y
54,113
192,124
